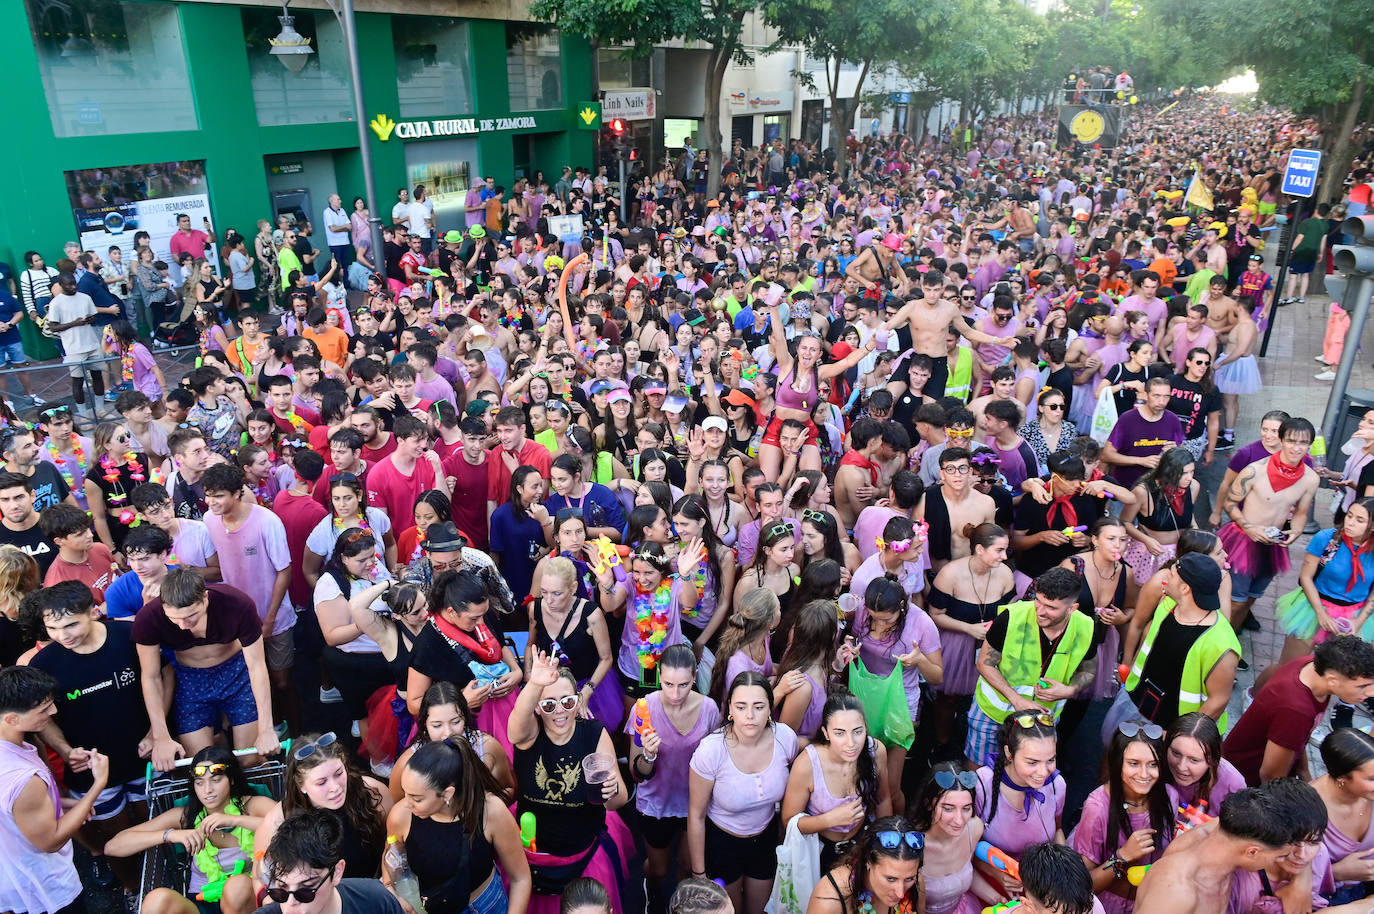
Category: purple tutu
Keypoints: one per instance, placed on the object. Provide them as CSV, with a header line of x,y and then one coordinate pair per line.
x,y
1105,684
959,652
1143,563
607,704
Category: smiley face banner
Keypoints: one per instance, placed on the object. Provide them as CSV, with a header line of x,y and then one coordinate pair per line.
x,y
1090,125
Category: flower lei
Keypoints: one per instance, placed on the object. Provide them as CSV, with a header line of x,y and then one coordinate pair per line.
x,y
651,623
78,454
112,476
362,524
866,905
126,364
697,577
205,341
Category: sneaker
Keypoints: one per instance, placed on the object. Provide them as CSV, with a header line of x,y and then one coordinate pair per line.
x,y
356,730
37,400
1327,375
111,396
132,901
1243,665
330,696
1225,442
381,769
1251,624
1301,301
1321,360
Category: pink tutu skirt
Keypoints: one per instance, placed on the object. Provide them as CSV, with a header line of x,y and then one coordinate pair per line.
x,y
602,867
1297,618
1143,563
1252,559
493,718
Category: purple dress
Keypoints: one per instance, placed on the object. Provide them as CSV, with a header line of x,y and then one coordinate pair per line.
x,y
880,657
1340,845
664,796
1013,830
811,720
958,651
1229,780
1090,834
949,894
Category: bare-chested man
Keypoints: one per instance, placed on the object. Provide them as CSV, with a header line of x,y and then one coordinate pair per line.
x,y
1222,309
1257,826
876,268
1236,367
1259,504
954,508
856,480
931,316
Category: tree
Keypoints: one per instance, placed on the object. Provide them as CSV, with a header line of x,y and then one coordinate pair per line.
x,y
871,33
640,24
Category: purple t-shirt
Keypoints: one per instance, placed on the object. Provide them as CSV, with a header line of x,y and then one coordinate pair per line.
x,y
743,803
664,795
1136,436
741,662
144,379
880,657
1010,830
251,556
1229,780
628,660
1249,897
1091,833
1250,453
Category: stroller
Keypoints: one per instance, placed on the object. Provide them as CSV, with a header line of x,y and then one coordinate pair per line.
x,y
168,866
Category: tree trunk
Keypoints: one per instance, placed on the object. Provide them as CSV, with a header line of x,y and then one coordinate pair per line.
x,y
1338,165
716,63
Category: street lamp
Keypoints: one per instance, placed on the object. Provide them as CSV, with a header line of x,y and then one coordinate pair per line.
x,y
293,50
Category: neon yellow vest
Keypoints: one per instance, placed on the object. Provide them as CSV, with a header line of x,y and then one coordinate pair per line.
x,y
1021,661
960,382
1202,658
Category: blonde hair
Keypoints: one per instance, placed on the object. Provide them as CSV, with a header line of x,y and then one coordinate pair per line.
x,y
18,576
753,620
104,433
562,568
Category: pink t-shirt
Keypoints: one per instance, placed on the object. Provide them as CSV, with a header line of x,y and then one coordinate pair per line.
x,y
664,795
394,492
1009,829
251,556
743,804
32,880
192,546
1229,780
144,379
192,243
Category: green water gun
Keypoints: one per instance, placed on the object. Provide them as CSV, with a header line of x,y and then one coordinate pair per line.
x,y
527,828
213,891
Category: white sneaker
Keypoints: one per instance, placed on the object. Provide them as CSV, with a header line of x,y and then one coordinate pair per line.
x,y
1321,359
381,769
37,400
356,730
330,696
1327,375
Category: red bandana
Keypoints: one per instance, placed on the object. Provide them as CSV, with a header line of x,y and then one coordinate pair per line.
x,y
486,646
1175,496
1281,475
1067,512
1356,552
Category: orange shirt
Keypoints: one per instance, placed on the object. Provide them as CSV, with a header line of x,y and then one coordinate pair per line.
x,y
332,342
1165,269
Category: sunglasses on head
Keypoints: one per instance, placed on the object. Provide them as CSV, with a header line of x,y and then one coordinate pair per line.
x,y
1028,719
304,894
549,705
306,750
201,771
891,840
1133,728
778,529
945,780
813,515
57,412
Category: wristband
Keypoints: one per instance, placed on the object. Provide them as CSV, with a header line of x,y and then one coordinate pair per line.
x,y
165,834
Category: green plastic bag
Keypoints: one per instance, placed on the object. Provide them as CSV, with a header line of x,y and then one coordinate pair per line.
x,y
884,700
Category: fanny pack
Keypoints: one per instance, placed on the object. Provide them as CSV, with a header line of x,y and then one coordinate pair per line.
x,y
552,879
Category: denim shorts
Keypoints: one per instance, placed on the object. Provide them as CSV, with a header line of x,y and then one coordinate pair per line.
x,y
13,354
113,800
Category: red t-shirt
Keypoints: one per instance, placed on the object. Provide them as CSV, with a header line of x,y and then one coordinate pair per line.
x,y
446,451
394,492
532,454
94,572
321,490
319,441
286,428
299,514
377,455
471,489
1285,712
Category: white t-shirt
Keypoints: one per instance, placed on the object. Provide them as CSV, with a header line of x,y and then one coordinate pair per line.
x,y
400,213
335,217
192,545
65,308
241,270
321,539
419,212
326,588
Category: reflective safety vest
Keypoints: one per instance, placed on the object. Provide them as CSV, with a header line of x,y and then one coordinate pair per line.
x,y
1202,658
1021,662
960,382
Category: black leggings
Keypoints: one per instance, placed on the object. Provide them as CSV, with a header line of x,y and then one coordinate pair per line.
x,y
97,386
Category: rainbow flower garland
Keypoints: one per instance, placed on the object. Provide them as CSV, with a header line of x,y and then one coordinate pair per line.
x,y
78,454
651,622
112,476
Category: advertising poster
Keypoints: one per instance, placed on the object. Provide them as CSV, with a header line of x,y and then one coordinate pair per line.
x,y
112,205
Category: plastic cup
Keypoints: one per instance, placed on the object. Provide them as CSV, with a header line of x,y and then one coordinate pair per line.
x,y
596,770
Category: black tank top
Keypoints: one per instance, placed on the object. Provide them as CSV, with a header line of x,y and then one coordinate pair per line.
x,y
574,640
362,854
1162,517
400,667
449,862
552,787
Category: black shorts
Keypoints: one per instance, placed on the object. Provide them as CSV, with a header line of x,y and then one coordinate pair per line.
x,y
632,685
939,378
729,858
661,833
357,676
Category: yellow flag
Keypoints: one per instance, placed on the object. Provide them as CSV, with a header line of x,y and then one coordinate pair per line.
x,y
1198,194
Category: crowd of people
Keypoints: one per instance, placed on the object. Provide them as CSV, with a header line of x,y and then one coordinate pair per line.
x,y
769,547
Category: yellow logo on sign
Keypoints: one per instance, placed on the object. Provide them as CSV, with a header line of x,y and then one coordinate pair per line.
x,y
588,115
382,126
1087,126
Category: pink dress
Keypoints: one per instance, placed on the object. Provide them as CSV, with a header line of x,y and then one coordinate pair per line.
x,y
949,894
1013,830
1089,837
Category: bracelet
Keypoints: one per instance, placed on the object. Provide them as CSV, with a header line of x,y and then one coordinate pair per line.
x,y
165,834
649,758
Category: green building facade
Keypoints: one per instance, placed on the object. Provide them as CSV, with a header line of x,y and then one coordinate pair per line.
x,y
102,91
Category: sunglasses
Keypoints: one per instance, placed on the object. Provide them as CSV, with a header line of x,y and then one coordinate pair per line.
x,y
549,705
1054,406
815,516
1132,728
891,840
305,894
778,529
201,771
306,750
1203,362
57,411
1028,719
947,779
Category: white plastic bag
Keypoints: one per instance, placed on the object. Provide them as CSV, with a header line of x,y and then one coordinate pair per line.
x,y
799,869
1104,416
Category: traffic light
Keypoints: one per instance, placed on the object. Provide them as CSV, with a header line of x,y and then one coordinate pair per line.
x,y
617,127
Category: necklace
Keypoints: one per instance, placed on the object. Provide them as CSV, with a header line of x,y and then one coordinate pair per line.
x,y
651,623
126,364
114,475
60,460
866,905
982,595
1115,569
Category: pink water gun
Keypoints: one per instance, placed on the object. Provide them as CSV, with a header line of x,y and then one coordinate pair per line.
x,y
1190,817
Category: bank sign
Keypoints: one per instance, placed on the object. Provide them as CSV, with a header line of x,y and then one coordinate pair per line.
x,y
386,128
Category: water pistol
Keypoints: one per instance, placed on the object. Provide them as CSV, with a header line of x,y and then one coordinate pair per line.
x,y
1136,874
1002,907
642,725
527,829
213,891
995,856
608,554
1190,817
1070,531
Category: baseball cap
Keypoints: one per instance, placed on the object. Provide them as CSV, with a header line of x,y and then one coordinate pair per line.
x,y
1203,577
693,317
600,386
714,422
477,408
655,386
739,398
840,350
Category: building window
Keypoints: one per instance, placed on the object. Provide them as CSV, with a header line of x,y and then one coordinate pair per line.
x,y
112,67
616,71
433,63
321,93
534,66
